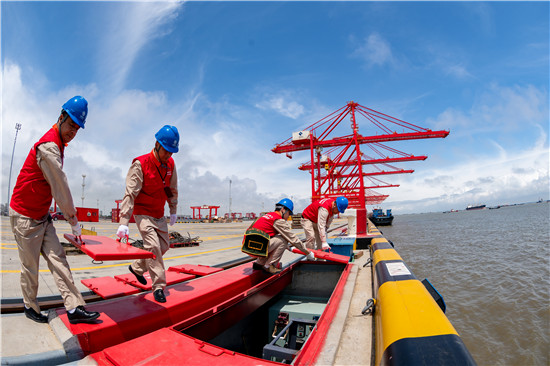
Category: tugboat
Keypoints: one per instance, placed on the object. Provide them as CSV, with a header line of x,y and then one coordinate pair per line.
x,y
378,217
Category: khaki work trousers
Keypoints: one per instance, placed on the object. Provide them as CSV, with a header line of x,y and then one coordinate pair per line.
x,y
38,236
277,246
313,240
154,233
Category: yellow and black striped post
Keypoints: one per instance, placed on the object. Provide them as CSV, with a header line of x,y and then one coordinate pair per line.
x,y
411,328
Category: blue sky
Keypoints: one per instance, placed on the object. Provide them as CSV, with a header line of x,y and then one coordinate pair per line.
x,y
238,78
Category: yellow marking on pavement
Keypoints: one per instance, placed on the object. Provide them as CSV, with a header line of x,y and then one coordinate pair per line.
x,y
220,237
8,248
125,264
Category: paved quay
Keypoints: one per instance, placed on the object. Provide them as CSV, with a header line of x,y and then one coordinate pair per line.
x,y
26,342
50,342
220,243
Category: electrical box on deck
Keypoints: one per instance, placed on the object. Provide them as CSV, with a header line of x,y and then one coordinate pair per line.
x,y
295,308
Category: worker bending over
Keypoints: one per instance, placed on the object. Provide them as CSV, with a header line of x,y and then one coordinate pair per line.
x,y
151,182
42,178
270,235
316,220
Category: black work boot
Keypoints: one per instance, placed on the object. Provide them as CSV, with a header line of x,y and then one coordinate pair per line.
x,y
140,279
257,266
159,295
37,317
80,315
271,269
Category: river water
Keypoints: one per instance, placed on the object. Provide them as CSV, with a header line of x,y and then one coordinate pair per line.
x,y
492,268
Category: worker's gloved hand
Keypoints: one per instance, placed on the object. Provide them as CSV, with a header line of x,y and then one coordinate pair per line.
x,y
173,218
325,246
123,231
310,256
76,229
72,220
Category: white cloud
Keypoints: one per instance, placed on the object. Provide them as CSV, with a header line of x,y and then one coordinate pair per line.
x,y
487,178
282,105
375,51
498,109
215,145
499,155
459,71
126,32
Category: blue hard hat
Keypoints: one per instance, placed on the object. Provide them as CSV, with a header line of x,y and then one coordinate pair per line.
x,y
341,204
169,138
285,202
77,109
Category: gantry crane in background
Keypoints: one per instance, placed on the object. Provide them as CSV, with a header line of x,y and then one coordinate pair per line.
x,y
341,169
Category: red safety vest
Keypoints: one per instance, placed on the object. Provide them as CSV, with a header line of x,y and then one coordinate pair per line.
x,y
265,223
312,211
32,194
151,199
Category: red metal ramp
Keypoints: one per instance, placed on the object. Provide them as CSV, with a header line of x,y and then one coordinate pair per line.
x,y
168,347
102,248
319,254
129,317
196,269
172,277
108,287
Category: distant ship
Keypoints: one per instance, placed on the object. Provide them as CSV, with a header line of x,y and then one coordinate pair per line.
x,y
475,207
378,218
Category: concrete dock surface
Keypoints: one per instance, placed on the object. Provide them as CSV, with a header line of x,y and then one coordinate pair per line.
x,y
24,341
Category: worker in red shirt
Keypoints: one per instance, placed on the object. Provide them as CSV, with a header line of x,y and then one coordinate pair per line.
x,y
151,182
275,224
42,178
316,220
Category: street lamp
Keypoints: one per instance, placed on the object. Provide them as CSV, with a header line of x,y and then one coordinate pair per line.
x,y
83,185
230,199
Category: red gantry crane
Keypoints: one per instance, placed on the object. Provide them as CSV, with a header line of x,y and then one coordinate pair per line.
x,y
341,169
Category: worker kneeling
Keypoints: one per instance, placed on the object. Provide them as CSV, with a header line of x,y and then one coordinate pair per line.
x,y
270,235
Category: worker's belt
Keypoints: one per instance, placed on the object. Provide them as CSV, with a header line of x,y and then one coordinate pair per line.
x,y
255,242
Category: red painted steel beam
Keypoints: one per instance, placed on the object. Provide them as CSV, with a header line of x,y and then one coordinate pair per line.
x,y
373,173
386,186
307,166
280,149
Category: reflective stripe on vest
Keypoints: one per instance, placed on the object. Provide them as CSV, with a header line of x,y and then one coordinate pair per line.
x,y
32,194
312,211
151,199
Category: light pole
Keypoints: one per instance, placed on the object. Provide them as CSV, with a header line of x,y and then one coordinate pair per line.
x,y
83,185
229,199
17,128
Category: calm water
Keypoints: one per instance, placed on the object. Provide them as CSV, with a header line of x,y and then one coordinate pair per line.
x,y
492,267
